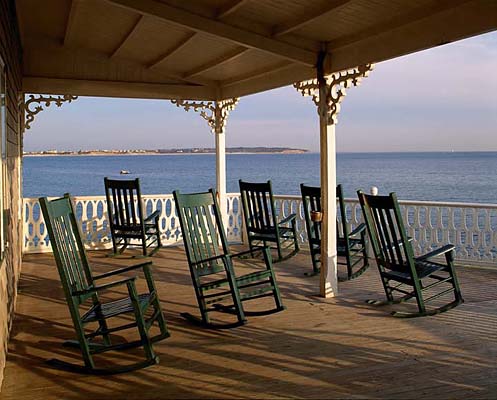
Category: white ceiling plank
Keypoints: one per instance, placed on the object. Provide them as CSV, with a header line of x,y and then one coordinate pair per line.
x,y
306,19
71,22
182,43
230,8
398,21
233,55
219,29
468,19
127,36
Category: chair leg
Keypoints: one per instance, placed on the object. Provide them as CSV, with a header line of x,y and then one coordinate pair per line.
x,y
141,325
272,279
449,257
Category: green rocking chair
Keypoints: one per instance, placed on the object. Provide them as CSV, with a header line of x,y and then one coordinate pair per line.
x,y
400,271
128,224
82,287
352,246
261,223
211,264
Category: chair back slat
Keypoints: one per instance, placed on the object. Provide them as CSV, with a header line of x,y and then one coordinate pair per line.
x,y
124,203
342,226
259,213
202,229
391,246
67,245
311,199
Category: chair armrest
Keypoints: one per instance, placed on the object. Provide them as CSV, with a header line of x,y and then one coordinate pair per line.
x,y
122,270
288,219
359,229
209,259
152,216
97,288
436,252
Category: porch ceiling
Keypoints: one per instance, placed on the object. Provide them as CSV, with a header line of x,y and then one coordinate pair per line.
x,y
214,49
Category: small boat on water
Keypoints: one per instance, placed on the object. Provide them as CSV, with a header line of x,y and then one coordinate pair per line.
x,y
124,172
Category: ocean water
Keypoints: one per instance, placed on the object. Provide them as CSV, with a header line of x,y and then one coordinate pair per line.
x,y
464,177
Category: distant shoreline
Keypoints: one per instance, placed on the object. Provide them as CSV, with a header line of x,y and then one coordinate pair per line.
x,y
167,152
158,154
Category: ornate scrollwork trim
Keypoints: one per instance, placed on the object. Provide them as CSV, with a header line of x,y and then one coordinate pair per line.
x,y
336,89
214,112
34,105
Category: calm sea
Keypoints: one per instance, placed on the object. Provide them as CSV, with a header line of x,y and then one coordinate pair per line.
x,y
466,177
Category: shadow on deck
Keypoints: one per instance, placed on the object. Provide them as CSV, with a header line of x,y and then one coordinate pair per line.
x,y
317,348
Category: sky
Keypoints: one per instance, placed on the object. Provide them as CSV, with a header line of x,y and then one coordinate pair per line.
x,y
441,99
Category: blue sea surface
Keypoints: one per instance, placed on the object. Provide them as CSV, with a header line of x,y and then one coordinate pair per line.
x,y
458,176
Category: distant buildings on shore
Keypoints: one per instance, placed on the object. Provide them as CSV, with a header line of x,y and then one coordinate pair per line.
x,y
192,150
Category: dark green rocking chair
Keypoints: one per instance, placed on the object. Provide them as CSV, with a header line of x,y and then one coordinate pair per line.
x,y
211,264
400,271
128,225
81,288
351,246
261,223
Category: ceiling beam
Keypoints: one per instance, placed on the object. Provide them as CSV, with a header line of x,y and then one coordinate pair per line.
x,y
84,87
229,8
309,18
71,22
127,36
178,46
225,58
219,29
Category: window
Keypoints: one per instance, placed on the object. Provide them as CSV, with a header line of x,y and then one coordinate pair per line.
x,y
3,151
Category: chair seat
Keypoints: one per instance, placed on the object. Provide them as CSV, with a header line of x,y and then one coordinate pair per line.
x,y
115,308
423,269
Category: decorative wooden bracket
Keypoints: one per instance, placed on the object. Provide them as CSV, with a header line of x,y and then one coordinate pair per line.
x,y
335,89
214,112
31,109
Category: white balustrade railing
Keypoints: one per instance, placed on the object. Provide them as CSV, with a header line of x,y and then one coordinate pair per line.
x,y
472,228
92,213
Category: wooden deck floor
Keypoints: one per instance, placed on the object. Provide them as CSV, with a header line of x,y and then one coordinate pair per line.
x,y
336,348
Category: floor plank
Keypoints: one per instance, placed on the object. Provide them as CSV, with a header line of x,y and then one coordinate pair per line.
x,y
317,348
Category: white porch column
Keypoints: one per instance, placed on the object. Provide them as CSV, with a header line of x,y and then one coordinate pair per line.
x,y
328,278
327,92
216,114
221,165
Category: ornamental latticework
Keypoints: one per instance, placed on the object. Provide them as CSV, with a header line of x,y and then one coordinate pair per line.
x,y
34,105
214,112
336,89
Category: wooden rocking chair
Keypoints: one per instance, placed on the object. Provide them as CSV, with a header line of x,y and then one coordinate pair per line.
x,y
126,218
80,287
261,223
211,264
399,270
352,246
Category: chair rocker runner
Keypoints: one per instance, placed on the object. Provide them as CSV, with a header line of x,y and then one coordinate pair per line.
x,y
211,264
400,271
126,218
261,223
82,288
350,245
